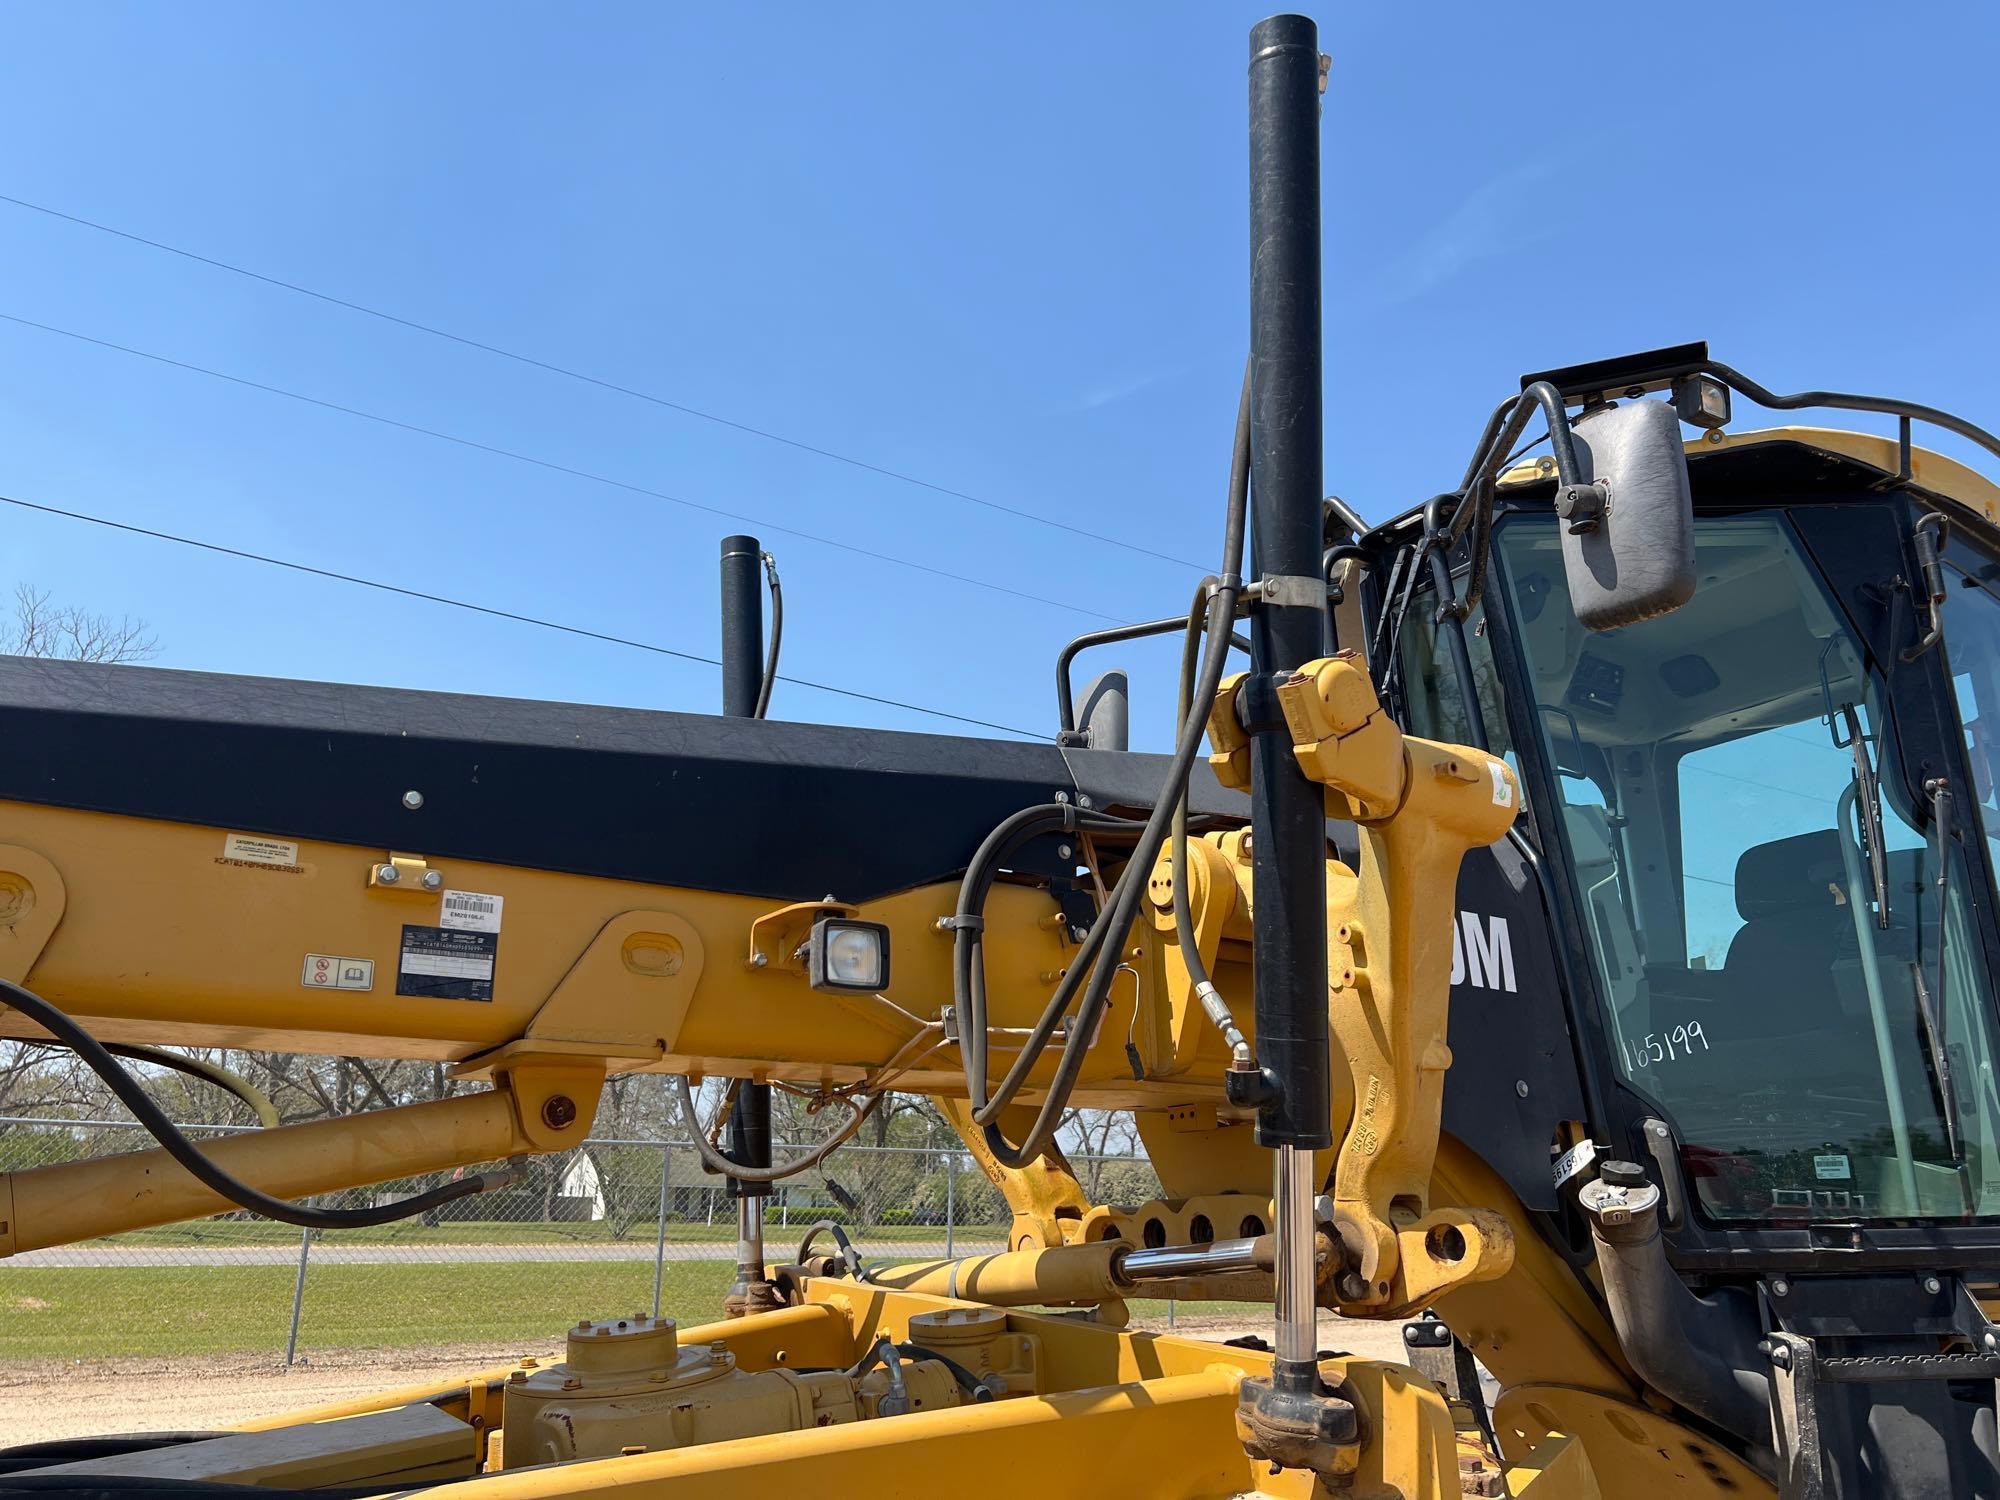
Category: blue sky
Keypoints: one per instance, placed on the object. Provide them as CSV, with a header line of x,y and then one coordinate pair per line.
x,y
1001,249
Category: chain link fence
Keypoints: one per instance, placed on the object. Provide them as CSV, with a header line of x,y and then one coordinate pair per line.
x,y
613,1226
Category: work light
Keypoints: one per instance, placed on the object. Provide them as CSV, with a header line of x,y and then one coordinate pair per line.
x,y
844,954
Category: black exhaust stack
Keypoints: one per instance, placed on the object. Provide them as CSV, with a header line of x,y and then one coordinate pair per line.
x,y
749,1139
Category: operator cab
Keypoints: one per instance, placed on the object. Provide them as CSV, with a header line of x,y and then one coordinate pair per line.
x,y
1768,964
1763,820
1744,793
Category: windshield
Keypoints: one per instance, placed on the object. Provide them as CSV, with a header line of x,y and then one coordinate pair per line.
x,y
1763,917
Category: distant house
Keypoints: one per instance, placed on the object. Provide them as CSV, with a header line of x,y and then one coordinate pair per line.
x,y
579,1191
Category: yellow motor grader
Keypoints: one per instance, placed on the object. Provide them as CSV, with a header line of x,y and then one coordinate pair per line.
x,y
1578,946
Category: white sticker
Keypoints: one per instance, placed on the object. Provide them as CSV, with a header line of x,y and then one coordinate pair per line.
x,y
435,963
327,971
1503,789
1574,1160
1832,1166
253,850
468,911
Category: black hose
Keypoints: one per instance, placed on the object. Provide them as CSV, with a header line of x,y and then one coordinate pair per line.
x,y
969,966
849,1256
968,1382
82,1449
132,1094
149,1487
253,1098
777,635
715,1161
1092,970
1212,1004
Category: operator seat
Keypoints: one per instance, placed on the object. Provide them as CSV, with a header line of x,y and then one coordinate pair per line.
x,y
1778,972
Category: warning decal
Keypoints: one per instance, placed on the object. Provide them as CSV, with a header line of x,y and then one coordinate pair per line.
x,y
443,964
329,971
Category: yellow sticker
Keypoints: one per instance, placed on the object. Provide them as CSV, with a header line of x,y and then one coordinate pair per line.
x,y
251,849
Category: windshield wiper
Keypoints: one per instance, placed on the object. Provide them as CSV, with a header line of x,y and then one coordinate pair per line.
x,y
1871,814
1930,1008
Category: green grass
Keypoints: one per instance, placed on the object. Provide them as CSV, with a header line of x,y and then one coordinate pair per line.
x,y
213,1233
149,1312
91,1312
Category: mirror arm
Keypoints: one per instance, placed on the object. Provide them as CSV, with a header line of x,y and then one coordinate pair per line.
x,y
1932,529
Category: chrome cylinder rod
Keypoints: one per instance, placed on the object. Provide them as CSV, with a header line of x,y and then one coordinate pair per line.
x,y
1297,1342
1218,1258
749,1241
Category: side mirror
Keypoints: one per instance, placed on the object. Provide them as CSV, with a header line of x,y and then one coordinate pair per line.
x,y
1628,526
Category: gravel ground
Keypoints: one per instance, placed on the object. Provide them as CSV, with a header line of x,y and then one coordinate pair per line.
x,y
53,1399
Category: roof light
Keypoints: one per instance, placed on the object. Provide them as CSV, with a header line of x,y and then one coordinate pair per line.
x,y
1702,401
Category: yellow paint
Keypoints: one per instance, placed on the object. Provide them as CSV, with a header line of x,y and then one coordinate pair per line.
x,y
1418,806
1946,480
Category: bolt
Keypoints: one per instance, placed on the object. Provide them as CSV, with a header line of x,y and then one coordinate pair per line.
x,y
433,880
572,1384
943,924
531,1363
1781,1357
559,1113
1990,1339
1780,1287
1521,1087
387,874
413,800
518,1376
1063,851
1933,1285
1714,435
760,960
1062,796
1082,800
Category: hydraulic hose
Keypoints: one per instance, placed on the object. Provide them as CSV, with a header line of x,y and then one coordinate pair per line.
x,y
777,635
258,1103
973,1386
1212,1004
132,1094
715,1161
1093,969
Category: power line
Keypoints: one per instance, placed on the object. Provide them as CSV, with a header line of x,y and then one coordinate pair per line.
x,y
498,614
603,384
550,465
